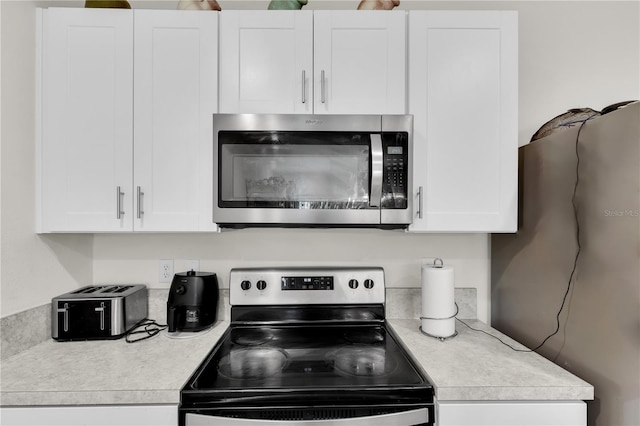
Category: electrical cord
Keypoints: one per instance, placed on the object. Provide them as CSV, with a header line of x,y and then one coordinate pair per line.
x,y
495,337
575,260
150,329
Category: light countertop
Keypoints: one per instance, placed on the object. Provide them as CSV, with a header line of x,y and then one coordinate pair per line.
x,y
474,366
151,371
471,366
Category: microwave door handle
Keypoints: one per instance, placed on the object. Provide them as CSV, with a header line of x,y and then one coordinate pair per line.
x,y
376,170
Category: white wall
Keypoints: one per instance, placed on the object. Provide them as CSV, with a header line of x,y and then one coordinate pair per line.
x,y
572,54
34,268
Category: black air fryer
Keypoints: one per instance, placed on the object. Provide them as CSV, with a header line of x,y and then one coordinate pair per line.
x,y
193,301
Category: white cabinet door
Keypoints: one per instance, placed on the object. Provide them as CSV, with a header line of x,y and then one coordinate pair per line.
x,y
86,129
512,413
87,156
359,62
266,61
464,97
322,62
175,94
112,415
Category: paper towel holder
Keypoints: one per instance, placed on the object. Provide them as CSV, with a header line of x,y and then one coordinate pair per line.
x,y
442,339
455,332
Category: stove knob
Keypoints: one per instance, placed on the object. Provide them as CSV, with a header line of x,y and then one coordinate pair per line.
x,y
353,284
261,285
368,283
245,285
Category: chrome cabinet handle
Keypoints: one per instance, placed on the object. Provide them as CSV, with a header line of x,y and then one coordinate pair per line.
x,y
140,194
304,86
420,198
322,99
375,197
119,195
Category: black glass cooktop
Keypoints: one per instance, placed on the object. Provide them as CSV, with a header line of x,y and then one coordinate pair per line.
x,y
298,369
306,357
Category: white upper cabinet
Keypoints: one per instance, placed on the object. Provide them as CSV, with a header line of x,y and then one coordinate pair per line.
x,y
463,68
86,112
175,96
266,61
105,165
322,62
359,62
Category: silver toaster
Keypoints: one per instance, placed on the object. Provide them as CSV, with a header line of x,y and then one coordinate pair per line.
x,y
98,312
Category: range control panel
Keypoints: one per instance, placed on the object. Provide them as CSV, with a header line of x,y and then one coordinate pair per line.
x,y
307,283
288,286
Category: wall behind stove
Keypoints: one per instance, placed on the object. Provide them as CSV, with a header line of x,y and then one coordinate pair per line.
x,y
134,258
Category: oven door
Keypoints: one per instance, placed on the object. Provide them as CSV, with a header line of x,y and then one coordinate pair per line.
x,y
305,170
405,418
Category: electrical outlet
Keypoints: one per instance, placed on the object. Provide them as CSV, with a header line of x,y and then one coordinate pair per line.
x,y
165,270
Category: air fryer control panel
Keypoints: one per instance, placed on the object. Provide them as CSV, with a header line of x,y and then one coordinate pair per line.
x,y
273,286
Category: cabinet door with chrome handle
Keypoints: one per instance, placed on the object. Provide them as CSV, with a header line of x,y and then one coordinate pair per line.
x,y
268,61
175,92
85,124
359,62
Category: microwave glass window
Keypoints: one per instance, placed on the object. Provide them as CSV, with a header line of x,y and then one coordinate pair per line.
x,y
280,170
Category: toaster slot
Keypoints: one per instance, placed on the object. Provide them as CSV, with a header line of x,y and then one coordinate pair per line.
x,y
117,289
88,290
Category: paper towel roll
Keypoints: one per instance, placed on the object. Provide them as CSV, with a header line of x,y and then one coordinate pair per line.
x,y
438,304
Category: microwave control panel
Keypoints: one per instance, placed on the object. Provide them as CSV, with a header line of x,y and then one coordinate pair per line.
x,y
394,173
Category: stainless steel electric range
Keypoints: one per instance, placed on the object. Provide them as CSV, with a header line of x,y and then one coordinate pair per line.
x,y
307,346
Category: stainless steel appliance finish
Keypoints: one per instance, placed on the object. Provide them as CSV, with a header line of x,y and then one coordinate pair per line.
x,y
307,346
413,417
312,170
278,286
98,312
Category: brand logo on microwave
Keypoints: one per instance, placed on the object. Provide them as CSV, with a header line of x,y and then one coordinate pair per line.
x,y
312,121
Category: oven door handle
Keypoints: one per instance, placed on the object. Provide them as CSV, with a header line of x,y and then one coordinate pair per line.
x,y
404,418
375,196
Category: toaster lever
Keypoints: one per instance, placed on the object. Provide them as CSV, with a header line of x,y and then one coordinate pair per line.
x,y
101,310
65,310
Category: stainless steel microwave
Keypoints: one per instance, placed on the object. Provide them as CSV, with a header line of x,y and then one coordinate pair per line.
x,y
296,170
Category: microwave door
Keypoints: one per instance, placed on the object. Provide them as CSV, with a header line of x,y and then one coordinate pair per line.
x,y
293,177
375,189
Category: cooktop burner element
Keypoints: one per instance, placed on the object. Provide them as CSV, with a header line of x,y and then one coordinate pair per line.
x,y
304,352
252,363
362,361
251,337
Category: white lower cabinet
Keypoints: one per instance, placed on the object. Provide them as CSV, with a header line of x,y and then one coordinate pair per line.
x,y
511,413
115,415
